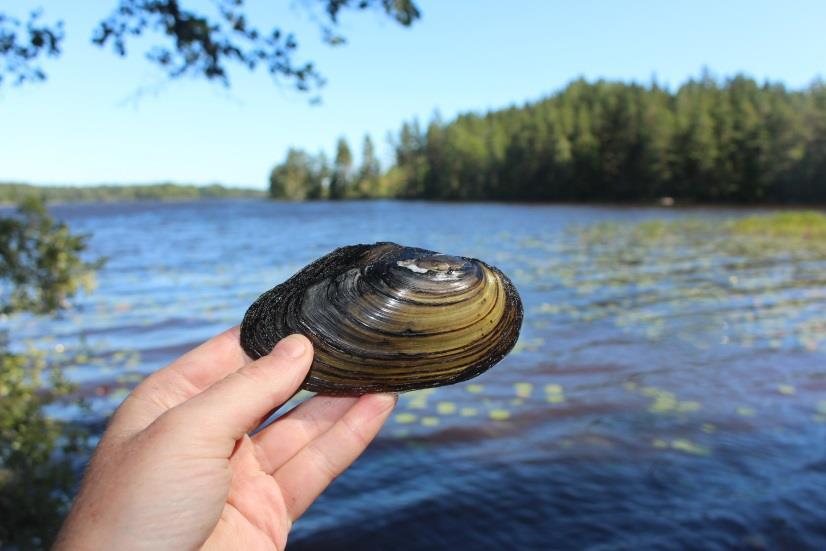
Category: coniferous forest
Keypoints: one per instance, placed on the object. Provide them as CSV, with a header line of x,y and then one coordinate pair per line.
x,y
735,140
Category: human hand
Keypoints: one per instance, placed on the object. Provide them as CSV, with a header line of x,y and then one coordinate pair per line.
x,y
176,468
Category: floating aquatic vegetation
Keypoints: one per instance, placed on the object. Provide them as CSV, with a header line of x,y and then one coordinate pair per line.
x,y
499,414
405,418
554,394
430,421
746,411
527,345
445,408
663,401
523,390
797,225
419,402
687,446
756,282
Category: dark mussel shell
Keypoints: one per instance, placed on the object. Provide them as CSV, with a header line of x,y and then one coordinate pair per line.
x,y
388,318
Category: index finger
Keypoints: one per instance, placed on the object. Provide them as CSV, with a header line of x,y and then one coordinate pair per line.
x,y
181,380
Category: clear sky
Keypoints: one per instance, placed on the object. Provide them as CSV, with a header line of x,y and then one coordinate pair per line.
x,y
88,124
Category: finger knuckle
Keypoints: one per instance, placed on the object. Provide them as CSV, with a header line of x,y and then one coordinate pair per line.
x,y
324,463
356,432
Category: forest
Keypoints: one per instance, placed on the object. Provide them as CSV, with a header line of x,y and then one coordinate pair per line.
x,y
731,140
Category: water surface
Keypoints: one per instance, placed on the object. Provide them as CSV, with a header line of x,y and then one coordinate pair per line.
x,y
665,393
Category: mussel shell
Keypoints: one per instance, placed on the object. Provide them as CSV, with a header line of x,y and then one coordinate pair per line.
x,y
388,318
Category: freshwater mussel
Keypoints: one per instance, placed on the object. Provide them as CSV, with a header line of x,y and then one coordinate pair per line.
x,y
388,318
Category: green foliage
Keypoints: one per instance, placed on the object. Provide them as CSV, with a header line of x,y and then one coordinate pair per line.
x,y
41,268
305,176
37,474
301,176
342,168
40,261
15,193
709,141
369,174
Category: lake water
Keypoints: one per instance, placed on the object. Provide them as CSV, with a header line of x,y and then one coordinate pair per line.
x,y
666,393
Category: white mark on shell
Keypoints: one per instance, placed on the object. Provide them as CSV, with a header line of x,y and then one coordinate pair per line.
x,y
412,266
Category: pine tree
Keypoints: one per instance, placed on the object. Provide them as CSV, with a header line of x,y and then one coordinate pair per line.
x,y
342,169
369,173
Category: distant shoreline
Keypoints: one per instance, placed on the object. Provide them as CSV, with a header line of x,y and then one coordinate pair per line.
x,y
12,193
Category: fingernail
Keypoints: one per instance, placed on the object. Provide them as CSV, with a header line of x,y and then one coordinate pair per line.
x,y
290,347
392,398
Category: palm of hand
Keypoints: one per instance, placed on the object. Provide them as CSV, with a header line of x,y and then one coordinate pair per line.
x,y
179,469
255,515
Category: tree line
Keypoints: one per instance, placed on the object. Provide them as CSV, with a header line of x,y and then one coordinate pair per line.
x,y
15,193
305,176
731,140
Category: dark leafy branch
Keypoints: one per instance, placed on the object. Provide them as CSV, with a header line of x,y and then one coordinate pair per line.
x,y
189,42
23,44
404,12
203,46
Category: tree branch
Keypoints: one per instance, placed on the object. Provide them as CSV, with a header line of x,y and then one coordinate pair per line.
x,y
21,45
191,43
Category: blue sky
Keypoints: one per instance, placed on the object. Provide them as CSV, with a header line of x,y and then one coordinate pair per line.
x,y
88,124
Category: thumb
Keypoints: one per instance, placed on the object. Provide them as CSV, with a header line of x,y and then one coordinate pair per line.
x,y
233,406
